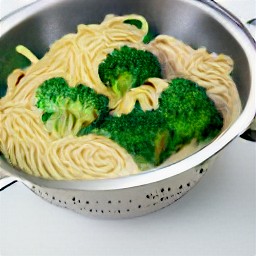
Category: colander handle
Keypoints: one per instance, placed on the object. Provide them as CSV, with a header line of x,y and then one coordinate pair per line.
x,y
250,133
6,179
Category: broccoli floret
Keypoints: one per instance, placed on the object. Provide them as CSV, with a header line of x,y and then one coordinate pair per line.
x,y
143,134
67,109
127,67
185,112
189,112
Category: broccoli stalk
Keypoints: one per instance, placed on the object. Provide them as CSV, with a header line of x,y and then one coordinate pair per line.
x,y
65,109
127,68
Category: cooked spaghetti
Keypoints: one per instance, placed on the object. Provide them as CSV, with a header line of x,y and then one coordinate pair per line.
x,y
35,147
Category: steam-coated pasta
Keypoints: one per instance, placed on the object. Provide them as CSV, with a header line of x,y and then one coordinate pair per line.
x,y
25,140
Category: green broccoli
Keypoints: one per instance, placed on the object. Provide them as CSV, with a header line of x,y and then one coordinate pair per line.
x,y
143,134
185,112
127,68
65,109
189,112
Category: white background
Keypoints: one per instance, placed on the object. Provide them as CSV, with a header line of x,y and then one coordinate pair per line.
x,y
216,218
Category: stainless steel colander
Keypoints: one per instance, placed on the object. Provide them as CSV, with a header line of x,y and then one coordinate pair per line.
x,y
198,23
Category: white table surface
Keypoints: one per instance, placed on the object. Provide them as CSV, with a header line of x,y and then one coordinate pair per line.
x,y
216,218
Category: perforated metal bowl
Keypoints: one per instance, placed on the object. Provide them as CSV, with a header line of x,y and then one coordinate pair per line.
x,y
198,23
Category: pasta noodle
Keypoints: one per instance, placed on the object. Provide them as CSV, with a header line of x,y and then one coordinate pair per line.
x,y
147,95
26,142
32,149
209,70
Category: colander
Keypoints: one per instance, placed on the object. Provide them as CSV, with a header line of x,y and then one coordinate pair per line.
x,y
198,23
